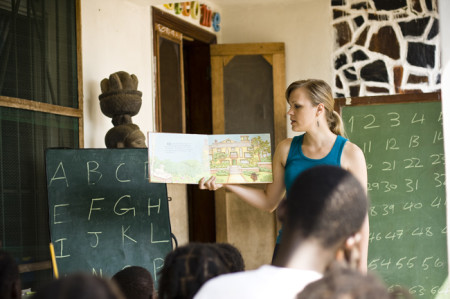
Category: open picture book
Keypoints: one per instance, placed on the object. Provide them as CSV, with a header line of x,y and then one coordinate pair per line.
x,y
231,158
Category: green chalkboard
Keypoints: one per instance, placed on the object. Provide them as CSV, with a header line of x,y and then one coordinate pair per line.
x,y
104,214
402,141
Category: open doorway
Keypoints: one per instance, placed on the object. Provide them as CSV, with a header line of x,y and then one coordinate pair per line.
x,y
184,103
197,70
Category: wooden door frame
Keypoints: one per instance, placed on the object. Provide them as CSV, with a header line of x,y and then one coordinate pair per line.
x,y
187,29
274,54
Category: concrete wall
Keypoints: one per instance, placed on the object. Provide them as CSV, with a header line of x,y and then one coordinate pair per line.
x,y
116,36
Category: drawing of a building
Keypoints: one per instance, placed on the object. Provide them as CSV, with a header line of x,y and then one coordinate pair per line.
x,y
231,152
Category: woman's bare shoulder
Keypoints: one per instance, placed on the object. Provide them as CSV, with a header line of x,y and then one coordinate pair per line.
x,y
284,145
352,153
354,161
282,150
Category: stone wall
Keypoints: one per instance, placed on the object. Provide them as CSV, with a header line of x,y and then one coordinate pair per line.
x,y
385,47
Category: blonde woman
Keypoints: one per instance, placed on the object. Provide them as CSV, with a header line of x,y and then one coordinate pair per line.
x,y
311,112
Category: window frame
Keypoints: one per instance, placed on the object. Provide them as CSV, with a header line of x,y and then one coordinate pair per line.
x,y
18,103
12,102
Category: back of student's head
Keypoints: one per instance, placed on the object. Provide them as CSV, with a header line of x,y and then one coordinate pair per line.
x,y
79,286
346,283
232,255
135,282
187,268
9,277
326,203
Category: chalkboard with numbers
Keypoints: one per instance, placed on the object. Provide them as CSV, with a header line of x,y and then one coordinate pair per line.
x,y
104,214
402,139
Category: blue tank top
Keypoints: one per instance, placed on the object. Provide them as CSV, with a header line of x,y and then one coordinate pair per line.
x,y
297,162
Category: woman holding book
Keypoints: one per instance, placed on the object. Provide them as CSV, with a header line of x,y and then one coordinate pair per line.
x,y
322,143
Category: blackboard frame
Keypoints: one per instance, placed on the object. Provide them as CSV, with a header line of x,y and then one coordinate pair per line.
x,y
339,103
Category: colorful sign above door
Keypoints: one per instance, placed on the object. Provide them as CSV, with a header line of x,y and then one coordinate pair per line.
x,y
197,11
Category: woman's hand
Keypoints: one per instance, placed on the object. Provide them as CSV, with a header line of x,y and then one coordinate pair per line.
x,y
267,199
209,184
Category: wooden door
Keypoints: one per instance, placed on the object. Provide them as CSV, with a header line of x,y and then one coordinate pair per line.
x,y
248,83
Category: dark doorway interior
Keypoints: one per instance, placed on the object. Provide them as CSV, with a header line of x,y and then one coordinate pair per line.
x,y
198,114
197,76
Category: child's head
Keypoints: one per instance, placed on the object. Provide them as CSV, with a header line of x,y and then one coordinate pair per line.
x,y
135,282
187,268
79,285
326,203
232,255
341,282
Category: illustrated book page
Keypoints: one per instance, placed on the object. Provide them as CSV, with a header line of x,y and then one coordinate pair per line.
x,y
231,158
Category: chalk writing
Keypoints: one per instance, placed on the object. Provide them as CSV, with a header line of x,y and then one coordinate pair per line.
x,y
91,208
158,206
403,146
55,177
117,174
412,163
100,272
104,213
125,210
57,214
96,238
126,236
93,176
60,242
158,263
395,119
370,120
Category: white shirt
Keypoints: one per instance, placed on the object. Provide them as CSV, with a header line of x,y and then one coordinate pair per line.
x,y
265,282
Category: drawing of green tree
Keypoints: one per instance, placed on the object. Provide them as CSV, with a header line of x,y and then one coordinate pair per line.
x,y
260,148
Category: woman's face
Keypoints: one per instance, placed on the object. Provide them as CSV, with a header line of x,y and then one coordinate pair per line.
x,y
301,112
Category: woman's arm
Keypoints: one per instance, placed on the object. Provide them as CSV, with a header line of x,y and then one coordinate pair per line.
x,y
353,160
267,199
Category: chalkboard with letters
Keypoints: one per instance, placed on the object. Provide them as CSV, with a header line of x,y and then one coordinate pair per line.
x,y
104,214
402,139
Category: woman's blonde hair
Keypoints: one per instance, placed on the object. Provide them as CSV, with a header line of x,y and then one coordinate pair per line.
x,y
320,92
